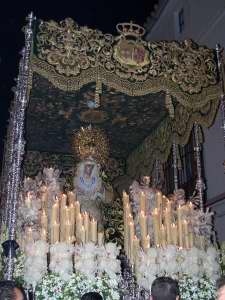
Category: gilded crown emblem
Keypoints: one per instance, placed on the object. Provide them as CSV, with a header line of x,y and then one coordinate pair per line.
x,y
91,143
130,51
130,29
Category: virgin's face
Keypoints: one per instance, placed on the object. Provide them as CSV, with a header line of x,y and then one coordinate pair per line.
x,y
88,169
145,180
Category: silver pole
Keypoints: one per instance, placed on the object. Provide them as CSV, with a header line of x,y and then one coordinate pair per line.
x,y
17,142
200,186
175,170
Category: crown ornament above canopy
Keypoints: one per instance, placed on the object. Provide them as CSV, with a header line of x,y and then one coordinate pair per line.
x,y
91,143
130,29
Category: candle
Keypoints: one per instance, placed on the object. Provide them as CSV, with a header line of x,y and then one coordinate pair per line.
x,y
43,234
163,236
44,197
93,231
136,247
55,212
29,234
68,231
55,233
77,208
155,219
186,236
63,200
79,224
28,200
146,243
190,206
82,234
71,197
44,220
168,224
143,202
100,238
125,198
86,226
131,237
159,205
174,234
179,222
143,224
72,213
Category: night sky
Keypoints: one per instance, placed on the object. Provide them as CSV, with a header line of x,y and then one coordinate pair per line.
x,y
101,14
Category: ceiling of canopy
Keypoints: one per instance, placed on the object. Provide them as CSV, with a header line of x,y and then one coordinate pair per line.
x,y
53,115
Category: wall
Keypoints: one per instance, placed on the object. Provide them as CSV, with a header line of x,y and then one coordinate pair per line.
x,y
204,22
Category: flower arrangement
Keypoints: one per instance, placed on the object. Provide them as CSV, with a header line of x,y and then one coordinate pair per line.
x,y
52,287
197,289
193,263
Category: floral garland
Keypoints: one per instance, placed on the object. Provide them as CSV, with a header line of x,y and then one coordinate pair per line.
x,y
52,287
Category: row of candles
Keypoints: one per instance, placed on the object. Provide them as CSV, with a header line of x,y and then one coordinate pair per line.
x,y
65,222
170,225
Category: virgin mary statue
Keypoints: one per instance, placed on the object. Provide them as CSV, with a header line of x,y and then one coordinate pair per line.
x,y
91,147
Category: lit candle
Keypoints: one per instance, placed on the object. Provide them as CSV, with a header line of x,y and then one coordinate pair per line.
x,y
163,236
131,237
174,234
55,212
68,231
136,247
71,197
159,205
72,217
29,234
44,220
93,231
77,208
54,233
43,234
143,224
143,202
82,235
44,197
179,223
168,224
125,198
156,226
186,236
79,224
146,243
86,226
28,200
100,238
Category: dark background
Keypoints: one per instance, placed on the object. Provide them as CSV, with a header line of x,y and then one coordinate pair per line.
x,y
100,14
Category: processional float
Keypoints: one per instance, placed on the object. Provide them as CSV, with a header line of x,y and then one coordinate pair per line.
x,y
148,97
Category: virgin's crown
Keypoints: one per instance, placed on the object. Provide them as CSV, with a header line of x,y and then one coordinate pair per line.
x,y
130,29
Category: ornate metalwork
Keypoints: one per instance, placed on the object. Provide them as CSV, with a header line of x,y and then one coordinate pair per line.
x,y
79,51
17,143
92,142
200,186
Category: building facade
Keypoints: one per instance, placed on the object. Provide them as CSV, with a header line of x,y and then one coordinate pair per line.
x,y
204,22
